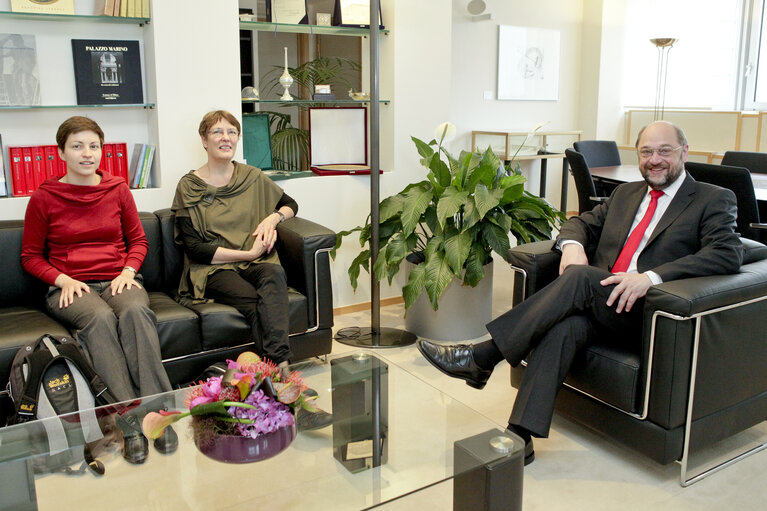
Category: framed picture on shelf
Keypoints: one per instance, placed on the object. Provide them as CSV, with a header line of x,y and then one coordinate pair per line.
x,y
18,70
256,140
320,11
355,13
45,6
107,72
338,141
286,11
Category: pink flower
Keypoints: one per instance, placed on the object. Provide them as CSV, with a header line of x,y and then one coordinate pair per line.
x,y
200,400
154,423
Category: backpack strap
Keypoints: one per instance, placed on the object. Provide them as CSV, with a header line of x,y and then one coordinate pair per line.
x,y
36,361
72,351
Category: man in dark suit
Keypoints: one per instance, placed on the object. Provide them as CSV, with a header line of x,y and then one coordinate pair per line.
x,y
664,228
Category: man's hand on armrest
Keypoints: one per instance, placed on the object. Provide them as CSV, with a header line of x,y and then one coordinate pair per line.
x,y
572,253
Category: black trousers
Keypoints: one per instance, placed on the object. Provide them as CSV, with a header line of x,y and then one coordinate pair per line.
x,y
260,293
549,328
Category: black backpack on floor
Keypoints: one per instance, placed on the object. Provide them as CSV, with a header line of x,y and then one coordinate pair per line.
x,y
53,376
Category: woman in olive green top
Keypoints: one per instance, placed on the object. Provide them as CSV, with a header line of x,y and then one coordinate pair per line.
x,y
226,218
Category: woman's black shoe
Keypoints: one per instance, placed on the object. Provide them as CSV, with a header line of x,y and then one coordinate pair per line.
x,y
135,445
168,442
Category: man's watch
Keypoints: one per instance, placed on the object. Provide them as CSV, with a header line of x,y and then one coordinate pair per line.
x,y
130,268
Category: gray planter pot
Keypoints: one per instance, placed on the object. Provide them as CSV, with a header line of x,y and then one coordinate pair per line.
x,y
462,315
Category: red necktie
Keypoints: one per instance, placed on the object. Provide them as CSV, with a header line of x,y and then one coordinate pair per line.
x,y
624,258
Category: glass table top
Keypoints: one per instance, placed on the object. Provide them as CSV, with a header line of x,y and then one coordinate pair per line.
x,y
331,468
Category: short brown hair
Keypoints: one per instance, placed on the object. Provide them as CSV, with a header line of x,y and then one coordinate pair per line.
x,y
77,124
680,136
213,117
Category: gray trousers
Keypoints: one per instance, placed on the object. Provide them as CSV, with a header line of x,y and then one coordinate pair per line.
x,y
120,334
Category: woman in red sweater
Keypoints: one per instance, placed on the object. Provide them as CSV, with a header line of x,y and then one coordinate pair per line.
x,y
83,237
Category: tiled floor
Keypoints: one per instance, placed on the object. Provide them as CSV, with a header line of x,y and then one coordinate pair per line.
x,y
575,468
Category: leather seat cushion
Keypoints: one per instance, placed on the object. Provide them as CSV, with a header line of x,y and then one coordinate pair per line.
x,y
176,326
608,373
22,325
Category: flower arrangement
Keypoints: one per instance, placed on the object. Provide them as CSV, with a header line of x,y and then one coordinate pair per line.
x,y
251,399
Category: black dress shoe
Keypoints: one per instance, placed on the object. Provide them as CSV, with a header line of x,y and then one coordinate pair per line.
x,y
456,361
529,451
135,445
168,442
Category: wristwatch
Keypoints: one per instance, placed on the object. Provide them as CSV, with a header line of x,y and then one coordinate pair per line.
x,y
131,268
282,217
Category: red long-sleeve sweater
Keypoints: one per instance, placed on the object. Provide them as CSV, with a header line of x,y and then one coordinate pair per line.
x,y
85,232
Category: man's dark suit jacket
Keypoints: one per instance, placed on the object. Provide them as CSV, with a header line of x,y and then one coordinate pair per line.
x,y
694,237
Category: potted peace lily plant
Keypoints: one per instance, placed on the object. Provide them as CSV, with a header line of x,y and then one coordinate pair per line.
x,y
450,223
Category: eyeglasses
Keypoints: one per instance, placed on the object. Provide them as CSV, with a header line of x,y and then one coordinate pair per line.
x,y
218,133
663,152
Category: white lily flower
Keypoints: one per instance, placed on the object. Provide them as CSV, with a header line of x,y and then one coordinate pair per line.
x,y
445,132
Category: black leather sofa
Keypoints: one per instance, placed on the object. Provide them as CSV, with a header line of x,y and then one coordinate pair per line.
x,y
190,338
703,343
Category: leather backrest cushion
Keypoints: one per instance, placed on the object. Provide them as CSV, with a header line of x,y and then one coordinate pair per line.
x,y
152,269
18,287
173,254
753,251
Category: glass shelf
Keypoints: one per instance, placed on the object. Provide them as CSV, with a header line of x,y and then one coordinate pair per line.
x,y
279,175
263,26
42,107
314,102
71,17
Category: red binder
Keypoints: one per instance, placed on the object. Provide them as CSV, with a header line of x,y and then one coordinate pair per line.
x,y
121,160
38,165
61,164
29,174
51,166
107,159
19,185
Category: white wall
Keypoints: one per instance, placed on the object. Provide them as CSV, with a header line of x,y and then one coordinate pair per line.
x,y
474,71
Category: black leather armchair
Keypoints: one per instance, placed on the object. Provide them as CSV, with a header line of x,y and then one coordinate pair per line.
x,y
699,377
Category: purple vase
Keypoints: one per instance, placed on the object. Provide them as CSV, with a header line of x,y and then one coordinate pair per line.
x,y
240,449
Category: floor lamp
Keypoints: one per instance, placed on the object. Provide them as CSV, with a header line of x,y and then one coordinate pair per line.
x,y
376,336
664,45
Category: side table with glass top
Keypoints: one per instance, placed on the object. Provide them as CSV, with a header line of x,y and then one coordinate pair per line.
x,y
426,438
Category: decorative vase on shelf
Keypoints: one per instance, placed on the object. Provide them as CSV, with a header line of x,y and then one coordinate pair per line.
x,y
286,80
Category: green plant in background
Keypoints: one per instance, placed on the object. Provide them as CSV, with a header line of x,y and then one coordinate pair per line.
x,y
450,223
320,71
290,144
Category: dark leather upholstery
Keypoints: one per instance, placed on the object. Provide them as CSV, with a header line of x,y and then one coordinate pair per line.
x,y
584,183
737,179
731,384
599,153
190,338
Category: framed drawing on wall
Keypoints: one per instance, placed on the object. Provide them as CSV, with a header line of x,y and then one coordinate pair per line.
x,y
528,63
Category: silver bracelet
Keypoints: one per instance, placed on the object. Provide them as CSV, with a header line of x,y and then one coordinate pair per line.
x,y
131,268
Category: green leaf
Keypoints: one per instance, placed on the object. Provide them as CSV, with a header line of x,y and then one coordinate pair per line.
x,y
438,276
450,203
362,260
497,238
382,261
430,217
441,172
470,214
434,245
416,201
475,265
457,250
415,285
500,218
486,199
389,207
423,148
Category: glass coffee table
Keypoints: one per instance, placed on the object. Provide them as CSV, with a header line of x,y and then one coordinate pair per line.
x,y
425,438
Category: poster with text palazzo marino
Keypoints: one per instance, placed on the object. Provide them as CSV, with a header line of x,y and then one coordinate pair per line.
x,y
107,72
